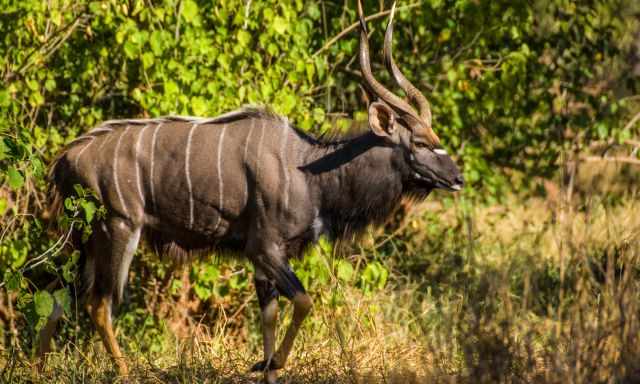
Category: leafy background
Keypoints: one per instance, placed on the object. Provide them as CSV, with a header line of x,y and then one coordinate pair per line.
x,y
519,91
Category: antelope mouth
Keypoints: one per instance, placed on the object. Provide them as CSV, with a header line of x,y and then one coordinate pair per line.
x,y
437,183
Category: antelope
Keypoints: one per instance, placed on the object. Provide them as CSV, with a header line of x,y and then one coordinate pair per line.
x,y
250,183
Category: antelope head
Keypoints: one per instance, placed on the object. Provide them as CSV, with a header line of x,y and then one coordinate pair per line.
x,y
401,125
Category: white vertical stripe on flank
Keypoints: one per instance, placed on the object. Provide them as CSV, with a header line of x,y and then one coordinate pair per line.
x,y
259,150
285,165
244,159
188,173
220,182
138,177
87,145
115,171
153,152
106,138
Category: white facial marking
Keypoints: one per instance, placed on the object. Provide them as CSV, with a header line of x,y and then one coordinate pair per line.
x,y
283,158
188,173
456,187
115,171
153,152
138,177
440,151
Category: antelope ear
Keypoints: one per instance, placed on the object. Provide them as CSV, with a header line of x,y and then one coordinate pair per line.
x,y
382,121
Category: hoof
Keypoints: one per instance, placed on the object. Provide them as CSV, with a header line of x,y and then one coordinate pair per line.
x,y
271,377
262,366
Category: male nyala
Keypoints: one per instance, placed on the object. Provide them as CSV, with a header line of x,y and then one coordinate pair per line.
x,y
246,182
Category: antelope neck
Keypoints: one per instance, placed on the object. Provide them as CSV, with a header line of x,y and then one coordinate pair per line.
x,y
357,182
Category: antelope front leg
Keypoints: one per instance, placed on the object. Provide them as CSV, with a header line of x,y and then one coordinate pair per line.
x,y
288,284
301,306
268,299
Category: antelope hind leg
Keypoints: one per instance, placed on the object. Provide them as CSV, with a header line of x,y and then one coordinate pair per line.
x,y
112,246
99,309
268,300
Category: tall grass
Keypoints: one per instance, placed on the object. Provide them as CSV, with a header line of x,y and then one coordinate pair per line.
x,y
537,289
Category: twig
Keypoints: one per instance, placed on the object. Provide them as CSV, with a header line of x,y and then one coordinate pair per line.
x,y
41,258
247,8
631,122
353,26
468,46
613,159
47,48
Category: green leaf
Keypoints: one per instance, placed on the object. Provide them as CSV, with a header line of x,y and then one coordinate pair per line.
x,y
4,150
130,49
43,303
318,115
16,180
69,268
156,42
89,208
202,292
244,37
314,11
63,298
4,204
12,280
147,60
189,10
5,98
344,271
280,25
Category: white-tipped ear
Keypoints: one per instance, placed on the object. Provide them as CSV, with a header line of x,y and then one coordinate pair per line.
x,y
382,121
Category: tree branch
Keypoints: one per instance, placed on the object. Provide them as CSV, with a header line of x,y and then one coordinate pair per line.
x,y
353,26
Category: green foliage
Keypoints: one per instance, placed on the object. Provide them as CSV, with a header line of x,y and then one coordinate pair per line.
x,y
514,84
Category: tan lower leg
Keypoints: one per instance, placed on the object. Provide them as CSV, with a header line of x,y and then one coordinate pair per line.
x,y
301,307
100,311
269,321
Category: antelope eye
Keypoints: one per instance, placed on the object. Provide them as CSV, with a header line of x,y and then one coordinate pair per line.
x,y
419,144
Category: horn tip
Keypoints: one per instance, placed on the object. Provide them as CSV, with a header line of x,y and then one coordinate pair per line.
x,y
391,15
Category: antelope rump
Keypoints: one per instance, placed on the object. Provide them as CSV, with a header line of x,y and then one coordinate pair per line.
x,y
246,182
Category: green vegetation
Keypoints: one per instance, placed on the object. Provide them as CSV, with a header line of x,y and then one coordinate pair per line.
x,y
529,275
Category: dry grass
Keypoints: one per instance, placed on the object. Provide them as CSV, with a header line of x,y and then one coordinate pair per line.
x,y
531,290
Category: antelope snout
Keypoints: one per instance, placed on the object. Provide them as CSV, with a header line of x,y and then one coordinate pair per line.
x,y
458,182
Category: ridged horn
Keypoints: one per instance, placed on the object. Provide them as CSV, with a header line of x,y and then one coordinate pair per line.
x,y
412,92
365,65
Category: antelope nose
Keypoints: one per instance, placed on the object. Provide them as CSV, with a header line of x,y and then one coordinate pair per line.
x,y
458,182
